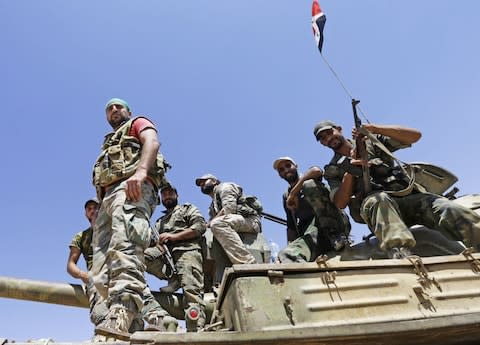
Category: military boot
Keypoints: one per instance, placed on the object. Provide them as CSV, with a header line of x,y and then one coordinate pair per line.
x,y
155,323
117,323
173,285
399,252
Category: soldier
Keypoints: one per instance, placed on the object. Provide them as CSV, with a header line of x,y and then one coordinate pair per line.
x,y
388,216
229,215
315,225
181,229
81,244
127,175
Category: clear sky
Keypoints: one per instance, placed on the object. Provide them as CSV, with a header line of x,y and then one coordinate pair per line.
x,y
231,86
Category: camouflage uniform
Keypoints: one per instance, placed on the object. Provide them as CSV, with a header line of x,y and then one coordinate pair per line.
x,y
122,230
237,217
98,308
186,254
389,217
318,222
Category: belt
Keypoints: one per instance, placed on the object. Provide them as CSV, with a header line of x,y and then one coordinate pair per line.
x,y
108,188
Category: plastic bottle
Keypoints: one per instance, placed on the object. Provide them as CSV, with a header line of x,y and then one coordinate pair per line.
x,y
273,251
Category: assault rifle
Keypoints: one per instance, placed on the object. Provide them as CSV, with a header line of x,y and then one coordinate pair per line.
x,y
273,218
361,151
167,259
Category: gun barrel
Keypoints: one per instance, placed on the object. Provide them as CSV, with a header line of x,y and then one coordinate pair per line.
x,y
273,218
74,295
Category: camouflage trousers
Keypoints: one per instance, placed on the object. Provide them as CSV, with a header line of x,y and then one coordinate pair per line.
x,y
189,264
329,217
120,236
226,228
328,224
389,218
98,308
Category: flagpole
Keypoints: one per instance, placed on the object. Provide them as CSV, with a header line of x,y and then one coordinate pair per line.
x,y
343,85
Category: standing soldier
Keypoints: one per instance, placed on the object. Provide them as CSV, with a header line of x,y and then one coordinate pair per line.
x,y
127,175
181,230
315,225
81,244
229,215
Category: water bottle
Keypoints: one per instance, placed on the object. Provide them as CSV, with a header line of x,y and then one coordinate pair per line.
x,y
273,251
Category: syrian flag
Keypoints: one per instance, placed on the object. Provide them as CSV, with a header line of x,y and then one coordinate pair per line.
x,y
318,22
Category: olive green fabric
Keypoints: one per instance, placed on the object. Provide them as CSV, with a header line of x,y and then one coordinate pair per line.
x,y
83,241
119,160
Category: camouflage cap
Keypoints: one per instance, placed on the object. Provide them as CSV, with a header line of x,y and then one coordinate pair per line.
x,y
323,126
283,159
205,177
89,201
169,187
117,101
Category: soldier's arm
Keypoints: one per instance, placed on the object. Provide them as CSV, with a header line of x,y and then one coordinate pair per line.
x,y
401,134
150,146
229,196
341,197
72,267
312,173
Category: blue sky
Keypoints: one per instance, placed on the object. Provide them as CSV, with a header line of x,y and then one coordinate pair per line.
x,y
231,86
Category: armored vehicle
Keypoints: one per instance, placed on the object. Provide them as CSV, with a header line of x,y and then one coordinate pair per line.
x,y
431,297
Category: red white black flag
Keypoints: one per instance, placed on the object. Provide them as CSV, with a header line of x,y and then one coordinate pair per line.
x,y
318,22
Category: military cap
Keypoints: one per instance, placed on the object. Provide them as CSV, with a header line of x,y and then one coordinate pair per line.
x,y
170,187
323,126
205,177
282,159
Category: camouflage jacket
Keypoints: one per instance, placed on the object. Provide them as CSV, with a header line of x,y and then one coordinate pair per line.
x,y
120,157
229,197
83,241
186,216
334,171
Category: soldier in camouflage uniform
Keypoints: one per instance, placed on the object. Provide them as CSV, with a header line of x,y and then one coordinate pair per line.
x,y
388,216
181,230
230,215
126,175
315,225
81,244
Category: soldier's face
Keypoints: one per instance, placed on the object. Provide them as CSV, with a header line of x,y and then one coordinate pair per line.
x,y
207,186
288,171
169,198
91,212
117,114
332,138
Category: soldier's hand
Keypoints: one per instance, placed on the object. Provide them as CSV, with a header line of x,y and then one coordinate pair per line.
x,y
167,237
133,188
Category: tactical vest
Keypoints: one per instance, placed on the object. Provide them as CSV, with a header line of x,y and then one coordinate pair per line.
x,y
120,157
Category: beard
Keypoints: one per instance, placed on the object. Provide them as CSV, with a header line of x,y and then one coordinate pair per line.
x,y
207,188
336,143
291,177
169,203
117,121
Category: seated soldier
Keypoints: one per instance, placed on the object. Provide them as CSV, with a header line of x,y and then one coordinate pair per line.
x,y
229,215
315,226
